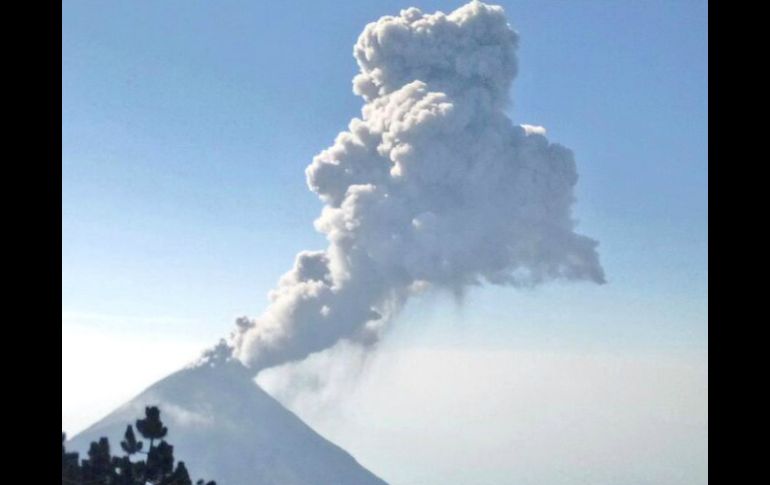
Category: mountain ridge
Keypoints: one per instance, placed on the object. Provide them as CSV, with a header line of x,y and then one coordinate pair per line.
x,y
226,428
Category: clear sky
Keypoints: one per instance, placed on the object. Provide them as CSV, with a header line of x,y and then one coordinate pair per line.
x,y
187,126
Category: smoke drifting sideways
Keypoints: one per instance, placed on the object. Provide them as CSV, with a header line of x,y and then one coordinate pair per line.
x,y
433,188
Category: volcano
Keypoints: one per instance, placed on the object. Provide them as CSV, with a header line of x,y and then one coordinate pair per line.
x,y
226,428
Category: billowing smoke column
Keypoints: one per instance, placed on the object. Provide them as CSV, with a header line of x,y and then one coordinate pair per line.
x,y
434,187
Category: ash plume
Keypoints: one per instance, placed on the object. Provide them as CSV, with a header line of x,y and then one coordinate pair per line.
x,y
434,187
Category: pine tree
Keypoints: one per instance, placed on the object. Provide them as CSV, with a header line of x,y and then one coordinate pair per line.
x,y
126,471
70,467
130,445
151,427
160,462
101,468
98,467
139,471
179,477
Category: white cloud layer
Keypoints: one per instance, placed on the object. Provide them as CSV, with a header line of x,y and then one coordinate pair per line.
x,y
437,416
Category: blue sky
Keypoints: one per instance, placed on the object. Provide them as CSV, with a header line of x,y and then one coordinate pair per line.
x,y
187,126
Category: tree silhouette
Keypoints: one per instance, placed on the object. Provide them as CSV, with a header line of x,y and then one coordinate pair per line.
x,y
180,476
130,445
101,468
70,469
160,462
128,473
98,467
151,427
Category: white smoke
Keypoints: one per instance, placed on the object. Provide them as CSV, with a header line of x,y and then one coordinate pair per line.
x,y
433,187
